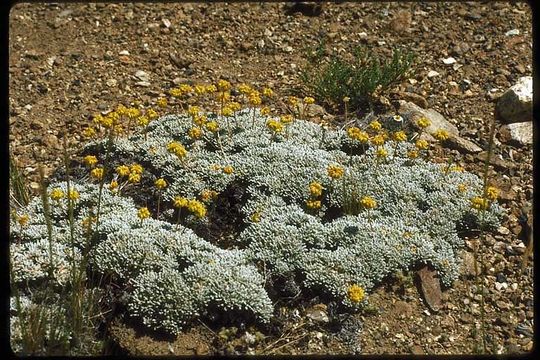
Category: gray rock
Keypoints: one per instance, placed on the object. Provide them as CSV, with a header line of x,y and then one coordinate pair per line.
x,y
515,105
438,121
142,75
520,133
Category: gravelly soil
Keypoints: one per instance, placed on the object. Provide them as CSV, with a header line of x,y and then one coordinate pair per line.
x,y
69,61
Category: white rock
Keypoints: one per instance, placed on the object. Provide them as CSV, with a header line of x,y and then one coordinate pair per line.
x,y
363,34
166,23
519,134
515,105
124,53
432,73
499,286
512,32
449,61
142,75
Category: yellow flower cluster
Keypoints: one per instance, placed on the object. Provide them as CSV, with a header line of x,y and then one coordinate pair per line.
x,y
195,133
335,171
378,140
207,195
421,144
223,85
399,136
228,169
23,219
275,126
56,194
97,173
356,134
122,170
309,100
368,202
492,193
423,123
254,98
286,119
355,293
73,194
441,135
143,213
160,183
90,161
462,187
313,204
375,125
315,189
479,203
212,126
381,152
177,149
268,92
194,206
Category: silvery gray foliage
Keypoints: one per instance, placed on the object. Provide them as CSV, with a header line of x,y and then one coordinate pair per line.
x,y
177,276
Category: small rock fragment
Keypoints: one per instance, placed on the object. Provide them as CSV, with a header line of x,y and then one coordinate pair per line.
x,y
432,73
430,288
449,61
519,134
142,75
512,32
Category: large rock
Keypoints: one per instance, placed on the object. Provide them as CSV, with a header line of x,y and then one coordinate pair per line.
x,y
515,105
517,133
414,112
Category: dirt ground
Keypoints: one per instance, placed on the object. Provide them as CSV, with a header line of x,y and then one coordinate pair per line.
x,y
69,61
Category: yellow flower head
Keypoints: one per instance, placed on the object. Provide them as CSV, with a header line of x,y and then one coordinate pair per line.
x,y
199,120
23,219
356,134
136,168
57,194
441,135
211,88
274,126
492,193
309,100
224,96
90,161
423,122
315,189
195,133
375,125
122,170
175,92
106,122
193,110
197,208
143,213
200,89
235,106
255,217
185,88
286,119
368,202
456,168
97,173
73,194
227,111
254,98
479,203
412,154
292,100
355,293
160,183
268,92
177,149
89,132
134,178
121,110
462,187
265,110
228,169
377,140
223,85
244,89
421,144
161,102
180,202
212,126
381,152
335,171
143,121
399,136
313,204
133,113
207,195
97,118
113,185
152,114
